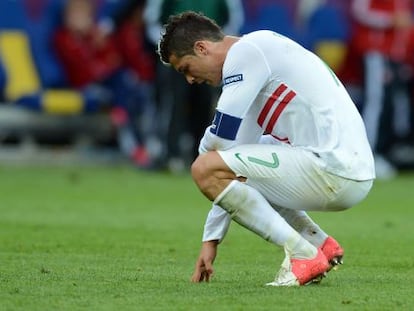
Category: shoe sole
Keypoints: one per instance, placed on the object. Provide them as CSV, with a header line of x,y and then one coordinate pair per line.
x,y
317,279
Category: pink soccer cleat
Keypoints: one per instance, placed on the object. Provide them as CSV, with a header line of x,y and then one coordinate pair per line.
x,y
296,272
333,252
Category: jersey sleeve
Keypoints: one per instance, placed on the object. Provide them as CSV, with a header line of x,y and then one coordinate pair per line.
x,y
216,225
245,72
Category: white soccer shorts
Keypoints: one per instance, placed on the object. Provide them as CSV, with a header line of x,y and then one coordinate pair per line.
x,y
293,178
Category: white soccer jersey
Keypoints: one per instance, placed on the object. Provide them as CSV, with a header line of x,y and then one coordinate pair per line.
x,y
272,85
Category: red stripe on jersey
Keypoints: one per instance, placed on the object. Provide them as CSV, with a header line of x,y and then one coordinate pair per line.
x,y
285,101
265,111
286,140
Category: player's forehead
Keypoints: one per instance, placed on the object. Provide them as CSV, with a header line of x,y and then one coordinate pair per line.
x,y
180,64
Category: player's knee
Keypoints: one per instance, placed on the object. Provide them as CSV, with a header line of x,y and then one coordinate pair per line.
x,y
203,175
200,171
211,174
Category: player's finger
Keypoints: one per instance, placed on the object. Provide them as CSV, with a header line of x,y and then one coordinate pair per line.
x,y
196,277
207,274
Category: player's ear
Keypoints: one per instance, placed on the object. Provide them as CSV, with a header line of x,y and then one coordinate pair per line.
x,y
200,47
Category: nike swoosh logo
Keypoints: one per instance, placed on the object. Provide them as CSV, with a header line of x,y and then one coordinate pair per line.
x,y
273,164
237,155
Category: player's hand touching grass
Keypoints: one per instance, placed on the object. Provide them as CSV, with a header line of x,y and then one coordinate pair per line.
x,y
204,266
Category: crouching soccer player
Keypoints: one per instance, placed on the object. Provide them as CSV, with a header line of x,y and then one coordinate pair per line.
x,y
286,138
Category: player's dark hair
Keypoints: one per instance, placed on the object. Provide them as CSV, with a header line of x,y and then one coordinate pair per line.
x,y
183,30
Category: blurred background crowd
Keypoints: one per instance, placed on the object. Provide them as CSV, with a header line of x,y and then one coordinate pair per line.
x,y
83,75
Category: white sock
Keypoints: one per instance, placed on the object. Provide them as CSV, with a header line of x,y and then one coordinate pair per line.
x,y
251,210
303,224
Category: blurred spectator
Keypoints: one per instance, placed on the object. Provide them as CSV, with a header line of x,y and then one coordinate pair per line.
x,y
131,40
182,124
383,39
139,56
92,59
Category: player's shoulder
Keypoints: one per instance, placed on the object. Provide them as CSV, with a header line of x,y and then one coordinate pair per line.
x,y
260,35
252,41
267,41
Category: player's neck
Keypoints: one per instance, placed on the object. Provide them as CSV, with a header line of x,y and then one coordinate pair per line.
x,y
228,41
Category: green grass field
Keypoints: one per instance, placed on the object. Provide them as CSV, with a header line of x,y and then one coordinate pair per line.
x,y
95,238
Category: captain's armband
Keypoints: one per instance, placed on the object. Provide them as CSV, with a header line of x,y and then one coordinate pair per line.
x,y
225,126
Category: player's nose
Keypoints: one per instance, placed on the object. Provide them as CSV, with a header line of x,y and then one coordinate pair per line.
x,y
190,79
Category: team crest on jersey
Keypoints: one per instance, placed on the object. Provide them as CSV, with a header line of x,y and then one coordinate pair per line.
x,y
232,79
